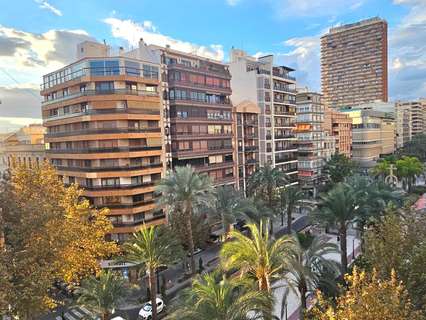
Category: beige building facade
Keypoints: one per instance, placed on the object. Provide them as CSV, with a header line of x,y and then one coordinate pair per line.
x,y
354,63
25,146
373,134
104,131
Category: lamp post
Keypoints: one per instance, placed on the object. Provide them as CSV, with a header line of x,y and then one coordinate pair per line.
x,y
353,249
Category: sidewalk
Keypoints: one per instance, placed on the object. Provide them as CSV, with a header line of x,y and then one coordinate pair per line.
x,y
293,300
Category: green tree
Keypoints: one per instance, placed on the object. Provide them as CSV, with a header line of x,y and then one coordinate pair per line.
x,y
257,211
338,168
408,168
102,295
265,183
415,148
381,169
226,299
339,207
150,249
259,256
228,206
289,197
305,265
185,191
396,241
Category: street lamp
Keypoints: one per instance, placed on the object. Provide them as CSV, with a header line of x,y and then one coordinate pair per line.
x,y
353,249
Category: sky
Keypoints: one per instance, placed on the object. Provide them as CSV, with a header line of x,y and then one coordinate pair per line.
x,y
39,36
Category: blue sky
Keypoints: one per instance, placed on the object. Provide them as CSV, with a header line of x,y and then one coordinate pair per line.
x,y
43,38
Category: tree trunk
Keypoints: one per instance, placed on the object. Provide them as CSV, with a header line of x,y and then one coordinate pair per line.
x,y
153,291
188,216
105,316
343,249
264,284
289,220
270,204
282,218
302,292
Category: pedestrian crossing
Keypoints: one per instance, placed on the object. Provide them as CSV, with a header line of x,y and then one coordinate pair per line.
x,y
77,313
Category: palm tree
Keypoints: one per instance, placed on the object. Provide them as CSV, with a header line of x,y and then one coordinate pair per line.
x,y
102,295
289,197
257,211
381,169
304,265
226,299
265,182
151,250
185,191
228,206
258,256
338,167
408,168
339,207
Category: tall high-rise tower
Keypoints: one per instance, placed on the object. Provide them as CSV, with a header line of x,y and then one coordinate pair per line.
x,y
354,60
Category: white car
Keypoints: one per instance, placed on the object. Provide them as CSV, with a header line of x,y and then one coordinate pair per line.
x,y
146,311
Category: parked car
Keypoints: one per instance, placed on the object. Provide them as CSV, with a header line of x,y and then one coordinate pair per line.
x,y
146,311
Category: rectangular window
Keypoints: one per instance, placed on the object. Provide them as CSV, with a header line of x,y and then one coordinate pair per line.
x,y
110,182
132,68
105,87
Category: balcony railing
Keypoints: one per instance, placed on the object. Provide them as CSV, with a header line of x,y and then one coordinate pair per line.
x,y
102,150
101,72
105,111
87,93
109,168
102,130
118,224
283,75
191,100
287,101
173,82
119,186
203,69
125,205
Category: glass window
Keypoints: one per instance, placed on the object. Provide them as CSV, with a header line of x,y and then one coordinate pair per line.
x,y
112,67
96,68
132,68
105,86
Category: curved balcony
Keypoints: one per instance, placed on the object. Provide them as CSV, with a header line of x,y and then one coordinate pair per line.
x,y
102,150
111,168
101,130
101,92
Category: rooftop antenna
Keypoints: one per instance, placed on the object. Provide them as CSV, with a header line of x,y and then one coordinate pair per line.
x,y
105,42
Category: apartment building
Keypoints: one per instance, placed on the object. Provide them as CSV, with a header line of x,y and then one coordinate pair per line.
x,y
246,141
197,114
339,125
104,131
373,134
24,146
354,63
403,124
273,89
310,138
411,119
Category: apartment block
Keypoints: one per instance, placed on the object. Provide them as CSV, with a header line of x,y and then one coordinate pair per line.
x,y
273,89
197,114
104,131
373,134
411,119
246,128
310,138
339,125
403,124
354,63
24,146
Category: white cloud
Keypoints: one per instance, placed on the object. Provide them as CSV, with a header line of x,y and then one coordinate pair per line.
x,y
131,32
46,5
232,2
